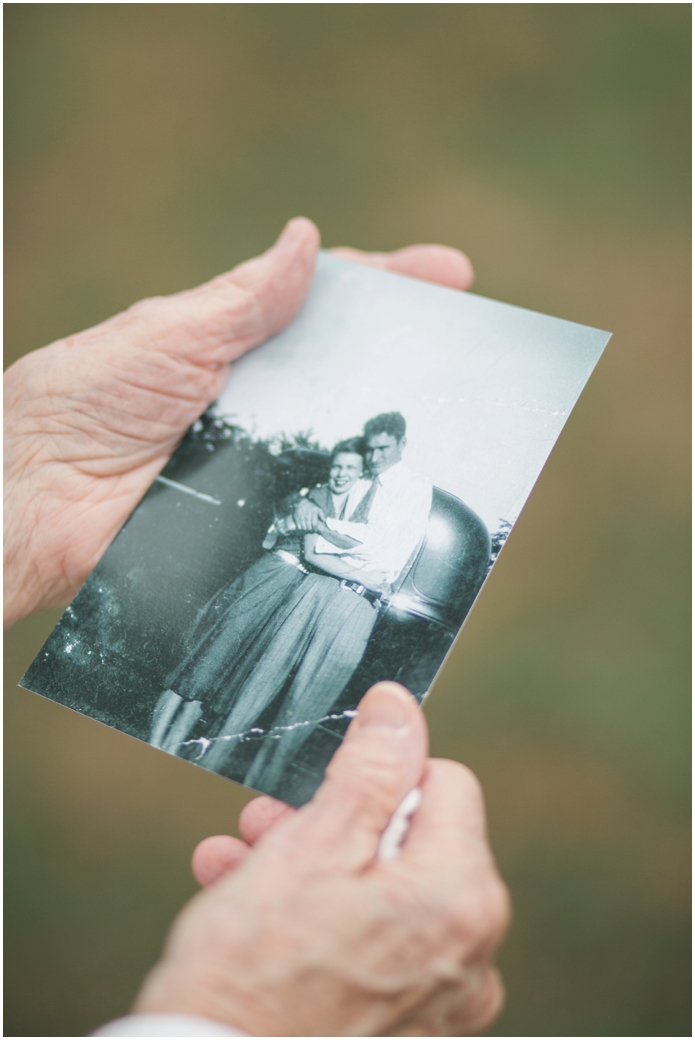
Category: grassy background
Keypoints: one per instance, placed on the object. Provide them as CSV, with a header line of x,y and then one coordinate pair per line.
x,y
150,147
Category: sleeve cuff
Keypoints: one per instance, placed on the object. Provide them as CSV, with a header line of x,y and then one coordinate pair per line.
x,y
347,527
166,1025
325,548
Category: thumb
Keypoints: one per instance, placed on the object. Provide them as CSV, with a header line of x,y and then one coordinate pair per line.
x,y
213,324
149,372
381,759
240,309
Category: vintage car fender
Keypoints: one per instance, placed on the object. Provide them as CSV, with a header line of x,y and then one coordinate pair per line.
x,y
450,566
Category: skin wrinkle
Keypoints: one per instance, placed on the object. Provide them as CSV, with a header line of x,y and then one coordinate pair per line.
x,y
47,407
378,775
445,1017
400,995
31,455
62,507
184,380
310,978
182,394
141,429
54,439
183,384
145,434
246,313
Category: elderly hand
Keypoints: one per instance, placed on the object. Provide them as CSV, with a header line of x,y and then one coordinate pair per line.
x,y
92,419
307,934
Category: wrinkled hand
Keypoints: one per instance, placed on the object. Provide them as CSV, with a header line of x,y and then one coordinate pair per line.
x,y
92,419
306,934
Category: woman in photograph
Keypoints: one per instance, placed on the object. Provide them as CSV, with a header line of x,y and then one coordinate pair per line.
x,y
296,622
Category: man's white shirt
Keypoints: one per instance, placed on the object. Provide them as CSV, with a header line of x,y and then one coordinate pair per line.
x,y
395,528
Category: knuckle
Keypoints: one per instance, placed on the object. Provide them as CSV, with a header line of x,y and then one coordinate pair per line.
x,y
486,1004
470,785
373,773
461,779
478,913
495,909
498,996
146,306
465,914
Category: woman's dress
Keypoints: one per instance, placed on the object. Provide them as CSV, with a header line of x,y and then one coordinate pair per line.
x,y
233,632
275,630
314,655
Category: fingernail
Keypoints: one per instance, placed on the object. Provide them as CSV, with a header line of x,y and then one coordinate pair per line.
x,y
384,707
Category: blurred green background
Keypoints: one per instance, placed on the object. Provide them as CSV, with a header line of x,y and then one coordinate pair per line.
x,y
150,147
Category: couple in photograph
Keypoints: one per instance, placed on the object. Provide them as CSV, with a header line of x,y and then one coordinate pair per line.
x,y
296,623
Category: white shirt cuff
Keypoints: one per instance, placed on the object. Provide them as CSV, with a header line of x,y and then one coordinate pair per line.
x,y
359,532
324,547
166,1025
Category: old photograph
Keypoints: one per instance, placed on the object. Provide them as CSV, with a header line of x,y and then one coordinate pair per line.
x,y
328,523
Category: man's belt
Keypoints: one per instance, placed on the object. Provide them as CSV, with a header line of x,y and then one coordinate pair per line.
x,y
361,590
289,557
354,586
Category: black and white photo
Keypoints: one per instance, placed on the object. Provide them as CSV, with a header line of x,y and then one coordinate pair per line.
x,y
328,523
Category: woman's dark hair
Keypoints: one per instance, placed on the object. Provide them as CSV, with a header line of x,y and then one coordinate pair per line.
x,y
351,446
391,423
